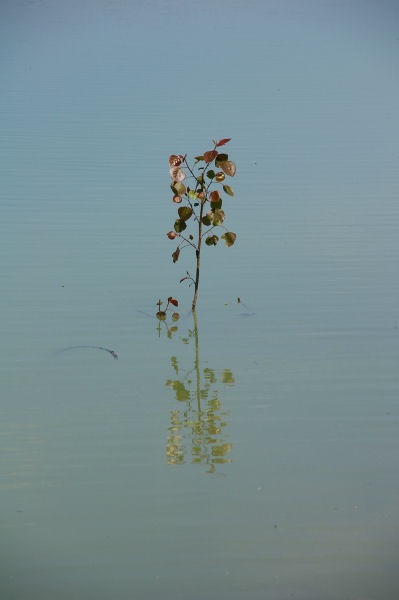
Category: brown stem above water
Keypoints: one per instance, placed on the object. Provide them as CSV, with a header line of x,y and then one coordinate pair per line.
x,y
198,255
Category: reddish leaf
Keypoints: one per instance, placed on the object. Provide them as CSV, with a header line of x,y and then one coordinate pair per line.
x,y
214,196
173,301
210,156
177,199
174,161
223,142
171,235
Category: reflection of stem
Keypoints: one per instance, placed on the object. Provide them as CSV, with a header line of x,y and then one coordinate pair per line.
x,y
204,427
197,363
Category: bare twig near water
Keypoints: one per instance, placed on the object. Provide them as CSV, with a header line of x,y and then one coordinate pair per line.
x,y
111,352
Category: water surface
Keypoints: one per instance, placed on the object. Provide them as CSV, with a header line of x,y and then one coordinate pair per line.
x,y
240,456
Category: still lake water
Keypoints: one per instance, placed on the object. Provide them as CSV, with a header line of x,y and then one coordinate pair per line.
x,y
255,455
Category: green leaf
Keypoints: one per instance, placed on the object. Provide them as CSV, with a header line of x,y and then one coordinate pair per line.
x,y
185,212
179,225
218,217
192,195
206,220
228,190
178,187
229,238
216,200
198,158
220,158
161,315
210,174
212,240
216,205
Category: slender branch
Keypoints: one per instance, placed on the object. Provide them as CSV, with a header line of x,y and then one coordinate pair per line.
x,y
213,227
188,241
192,208
189,168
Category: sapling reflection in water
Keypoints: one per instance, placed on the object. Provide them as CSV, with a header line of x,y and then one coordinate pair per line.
x,y
162,314
200,204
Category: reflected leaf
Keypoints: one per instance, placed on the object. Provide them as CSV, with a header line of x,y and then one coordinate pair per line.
x,y
227,376
171,330
209,375
175,364
182,393
221,450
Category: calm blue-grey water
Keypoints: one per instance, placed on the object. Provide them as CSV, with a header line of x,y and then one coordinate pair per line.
x,y
255,455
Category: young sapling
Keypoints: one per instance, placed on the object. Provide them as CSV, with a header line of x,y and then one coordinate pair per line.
x,y
200,204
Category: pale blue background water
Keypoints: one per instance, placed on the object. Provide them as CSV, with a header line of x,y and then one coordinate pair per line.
x,y
94,98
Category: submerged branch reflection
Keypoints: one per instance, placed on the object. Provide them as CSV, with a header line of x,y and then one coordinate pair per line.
x,y
197,427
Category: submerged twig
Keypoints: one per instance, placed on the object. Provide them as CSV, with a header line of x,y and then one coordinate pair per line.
x,y
111,352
